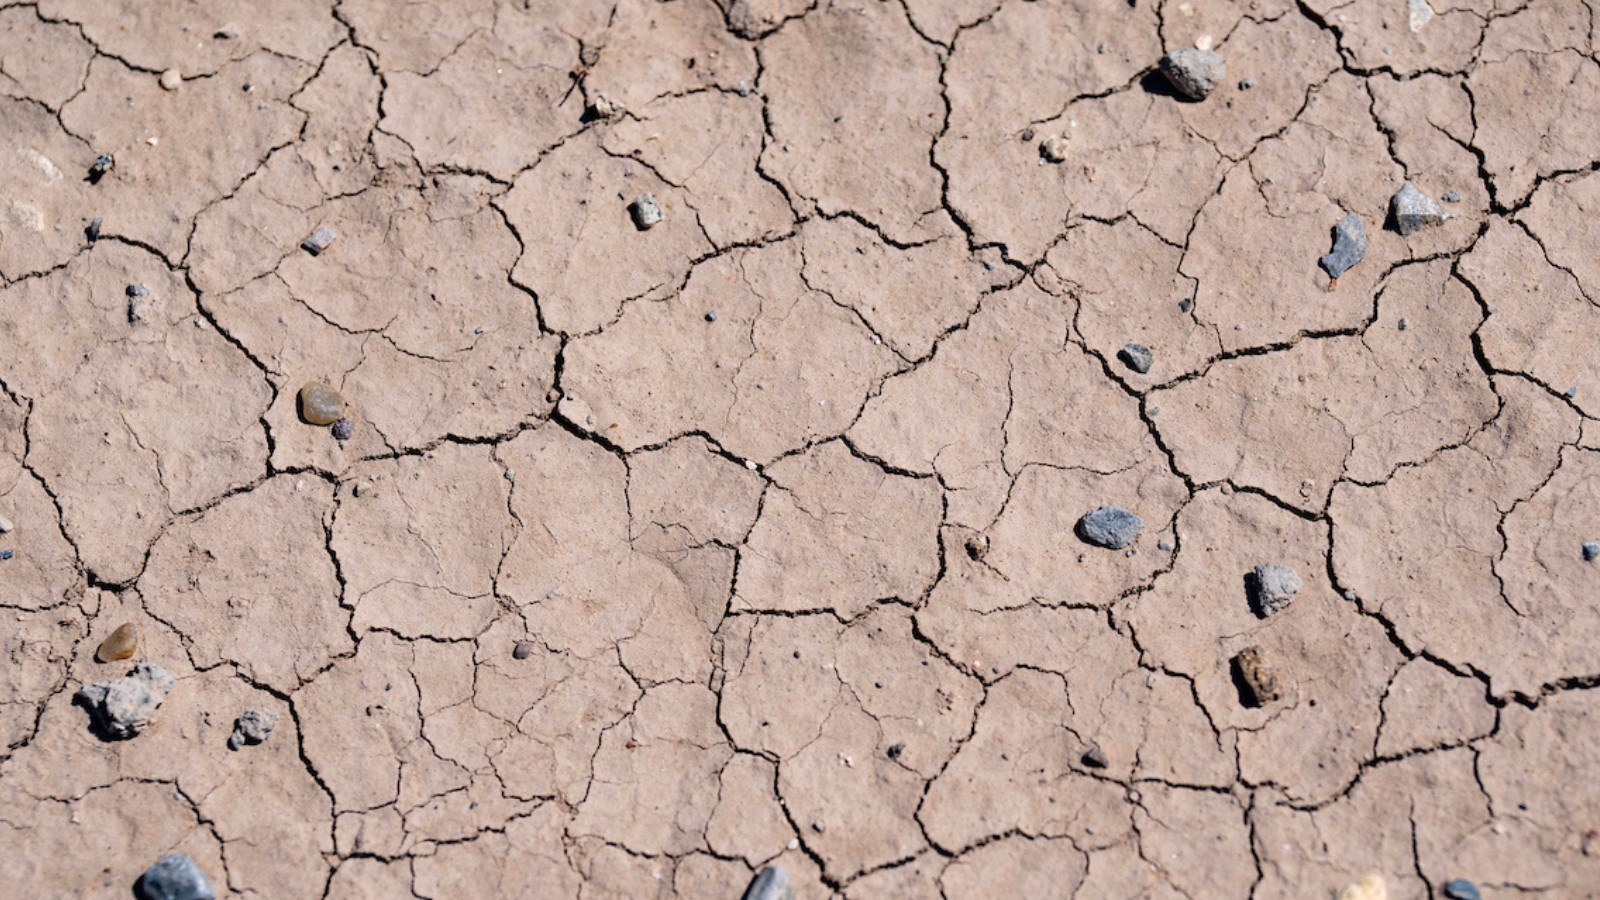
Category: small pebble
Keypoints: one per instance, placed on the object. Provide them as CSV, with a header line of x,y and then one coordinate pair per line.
x,y
122,708
318,240
1164,545
1185,305
1591,551
1271,587
174,877
320,404
1369,887
895,750
1570,392
771,883
1461,889
1194,73
118,645
1137,357
1451,197
646,213
6,526
1095,758
522,651
1027,135
1260,683
1111,527
1054,148
1413,210
7,554
1247,84
343,429
171,79
102,165
711,316
1349,246
93,231
252,727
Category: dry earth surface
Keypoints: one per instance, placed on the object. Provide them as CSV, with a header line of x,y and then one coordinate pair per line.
x,y
779,496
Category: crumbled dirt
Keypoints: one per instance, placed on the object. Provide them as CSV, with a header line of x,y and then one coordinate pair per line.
x,y
655,557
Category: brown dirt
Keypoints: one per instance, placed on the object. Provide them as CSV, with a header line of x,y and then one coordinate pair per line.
x,y
778,497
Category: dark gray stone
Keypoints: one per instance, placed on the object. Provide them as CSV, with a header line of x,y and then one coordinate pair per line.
x,y
1413,210
646,212
1137,357
1111,527
1451,197
1349,246
1194,73
1591,551
93,231
1095,758
174,877
771,883
1271,588
522,650
318,240
122,708
1247,84
343,430
1462,889
102,164
252,727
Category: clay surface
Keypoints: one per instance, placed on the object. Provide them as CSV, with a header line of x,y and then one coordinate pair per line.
x,y
925,448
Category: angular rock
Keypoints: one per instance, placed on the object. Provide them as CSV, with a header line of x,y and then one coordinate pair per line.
x,y
1591,551
343,430
1194,73
318,241
122,708
1349,246
1271,588
771,883
252,727
1413,210
1461,889
1054,148
1137,357
174,877
645,211
1257,682
1111,527
1095,758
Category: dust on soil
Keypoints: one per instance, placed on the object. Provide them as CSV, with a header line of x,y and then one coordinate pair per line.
x,y
653,557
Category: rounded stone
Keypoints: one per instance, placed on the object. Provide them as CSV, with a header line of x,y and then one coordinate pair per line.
x,y
320,404
119,644
522,650
174,877
171,79
1111,527
1461,889
1194,73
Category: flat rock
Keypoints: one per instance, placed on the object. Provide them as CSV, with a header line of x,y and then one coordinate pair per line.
x,y
1349,246
1413,210
1111,527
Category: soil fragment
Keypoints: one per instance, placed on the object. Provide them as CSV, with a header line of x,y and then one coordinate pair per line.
x,y
119,644
1111,527
1194,73
1349,246
174,877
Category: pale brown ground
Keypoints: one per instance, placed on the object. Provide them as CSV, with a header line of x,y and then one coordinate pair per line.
x,y
753,555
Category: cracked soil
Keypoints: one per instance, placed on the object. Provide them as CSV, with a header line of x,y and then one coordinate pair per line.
x,y
655,557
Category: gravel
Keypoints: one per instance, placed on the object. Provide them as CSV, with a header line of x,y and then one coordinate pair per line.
x,y
102,165
1461,889
1591,551
1111,527
1451,197
646,212
1413,210
1349,246
1194,73
92,232
122,708
252,727
1095,758
522,650
1137,357
6,526
771,883
1271,587
1053,148
343,430
174,877
171,79
318,240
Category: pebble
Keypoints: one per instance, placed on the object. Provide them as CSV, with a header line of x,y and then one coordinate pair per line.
x,y
1369,887
1054,148
1349,246
171,79
343,429
7,554
1271,588
119,644
1591,551
102,164
1260,682
1194,73
711,316
320,404
174,877
1451,197
252,727
1413,210
93,231
522,650
1111,527
318,240
1247,84
1137,357
1164,545
1185,305
895,750
1095,758
138,303
122,708
1461,889
646,213
771,883
6,526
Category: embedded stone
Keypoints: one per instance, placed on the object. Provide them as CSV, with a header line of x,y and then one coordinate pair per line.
x,y
645,211
252,727
122,708
1194,73
1413,210
320,404
1258,683
1111,527
1591,551
318,240
1137,357
118,645
1054,148
1349,246
1271,588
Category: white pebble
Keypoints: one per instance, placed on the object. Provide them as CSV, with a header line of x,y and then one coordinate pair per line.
x,y
171,79
5,525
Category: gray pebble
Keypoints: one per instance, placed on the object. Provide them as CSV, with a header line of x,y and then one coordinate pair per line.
x,y
1247,84
1413,210
138,303
1194,73
1095,758
122,708
102,164
1271,587
1570,392
318,241
252,727
771,883
7,554
93,231
1349,246
138,290
1164,545
1185,305
1111,527
1451,197
343,429
1591,551
174,877
646,213
1461,889
522,650
1137,357
711,316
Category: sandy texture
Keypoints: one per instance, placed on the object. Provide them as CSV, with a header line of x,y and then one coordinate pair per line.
x,y
650,553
